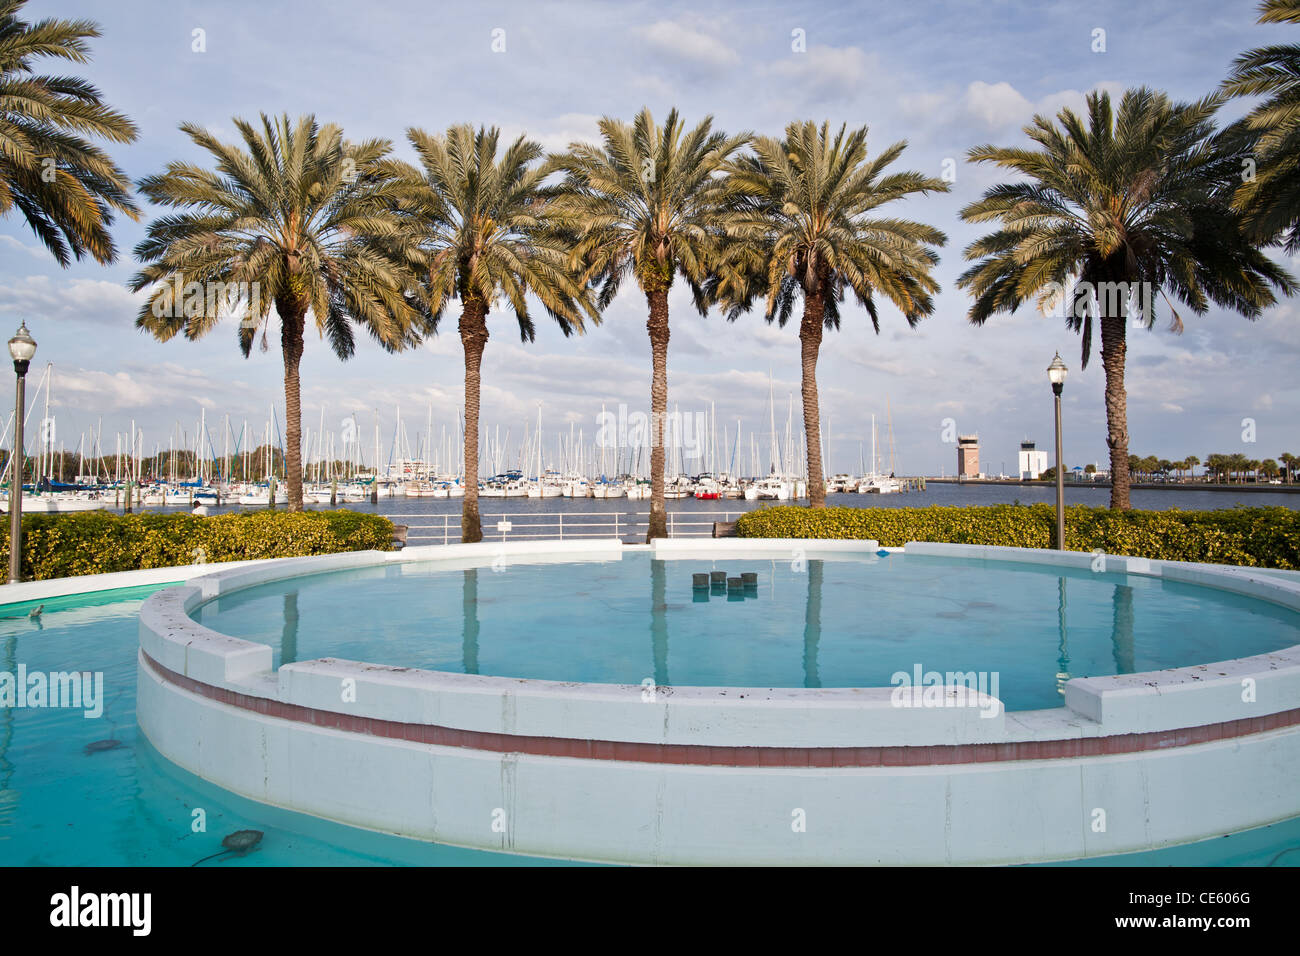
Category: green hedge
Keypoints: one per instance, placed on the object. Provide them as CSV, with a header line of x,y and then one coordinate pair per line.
x,y
1256,537
92,542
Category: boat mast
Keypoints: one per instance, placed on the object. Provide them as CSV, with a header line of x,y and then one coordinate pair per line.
x,y
771,411
874,461
46,438
889,415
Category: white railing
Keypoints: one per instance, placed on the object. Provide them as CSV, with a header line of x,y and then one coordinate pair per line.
x,y
445,528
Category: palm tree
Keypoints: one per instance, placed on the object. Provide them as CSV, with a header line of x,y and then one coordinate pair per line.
x,y
812,229
489,236
647,202
66,187
1270,198
1120,206
1289,461
297,218
1190,463
1223,466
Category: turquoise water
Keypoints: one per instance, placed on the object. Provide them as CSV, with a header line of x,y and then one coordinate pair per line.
x,y
124,805
852,622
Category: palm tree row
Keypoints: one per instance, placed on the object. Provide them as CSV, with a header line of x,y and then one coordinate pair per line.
x,y
1143,199
1239,468
1217,466
1151,465
298,219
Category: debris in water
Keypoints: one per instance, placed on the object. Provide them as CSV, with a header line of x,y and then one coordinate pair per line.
x,y
239,843
35,612
99,746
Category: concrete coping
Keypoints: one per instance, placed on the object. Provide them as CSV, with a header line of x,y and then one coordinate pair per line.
x,y
718,716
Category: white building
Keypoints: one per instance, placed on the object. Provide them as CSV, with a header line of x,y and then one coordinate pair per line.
x,y
1032,461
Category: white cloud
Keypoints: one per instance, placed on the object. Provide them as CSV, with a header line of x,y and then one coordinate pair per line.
x,y
36,252
685,43
923,104
1000,105
166,385
654,89
60,299
557,133
829,72
996,104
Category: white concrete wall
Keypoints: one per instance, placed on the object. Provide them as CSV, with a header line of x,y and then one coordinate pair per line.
x,y
662,813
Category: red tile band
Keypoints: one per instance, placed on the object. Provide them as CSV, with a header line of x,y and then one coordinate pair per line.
x,y
701,754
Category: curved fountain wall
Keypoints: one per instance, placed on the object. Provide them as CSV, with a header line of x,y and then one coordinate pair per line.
x,y
623,773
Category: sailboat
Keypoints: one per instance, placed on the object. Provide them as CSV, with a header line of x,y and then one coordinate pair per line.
x,y
777,486
874,483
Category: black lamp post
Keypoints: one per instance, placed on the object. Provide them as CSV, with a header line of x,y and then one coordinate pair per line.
x,y
1056,374
22,347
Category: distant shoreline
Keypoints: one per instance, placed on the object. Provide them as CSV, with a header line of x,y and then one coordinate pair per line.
x,y
1136,486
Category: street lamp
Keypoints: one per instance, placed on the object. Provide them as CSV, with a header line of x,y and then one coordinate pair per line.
x,y
21,347
1056,374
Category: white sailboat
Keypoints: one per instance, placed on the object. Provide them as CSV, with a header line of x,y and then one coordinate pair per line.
x,y
874,483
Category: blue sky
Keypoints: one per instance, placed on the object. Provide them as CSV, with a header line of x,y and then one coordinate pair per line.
x,y
942,75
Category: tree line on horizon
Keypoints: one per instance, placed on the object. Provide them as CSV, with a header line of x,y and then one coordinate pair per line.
x,y
250,465
1219,467
341,235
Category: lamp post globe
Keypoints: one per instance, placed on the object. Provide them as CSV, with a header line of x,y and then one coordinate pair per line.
x,y
21,348
1056,373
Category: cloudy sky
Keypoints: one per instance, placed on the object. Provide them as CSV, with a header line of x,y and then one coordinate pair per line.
x,y
942,75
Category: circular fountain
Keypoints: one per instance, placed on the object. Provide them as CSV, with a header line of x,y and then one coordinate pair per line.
x,y
588,700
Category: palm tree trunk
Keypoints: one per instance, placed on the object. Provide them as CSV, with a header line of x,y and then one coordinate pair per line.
x,y
473,336
657,325
292,316
1113,350
810,340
